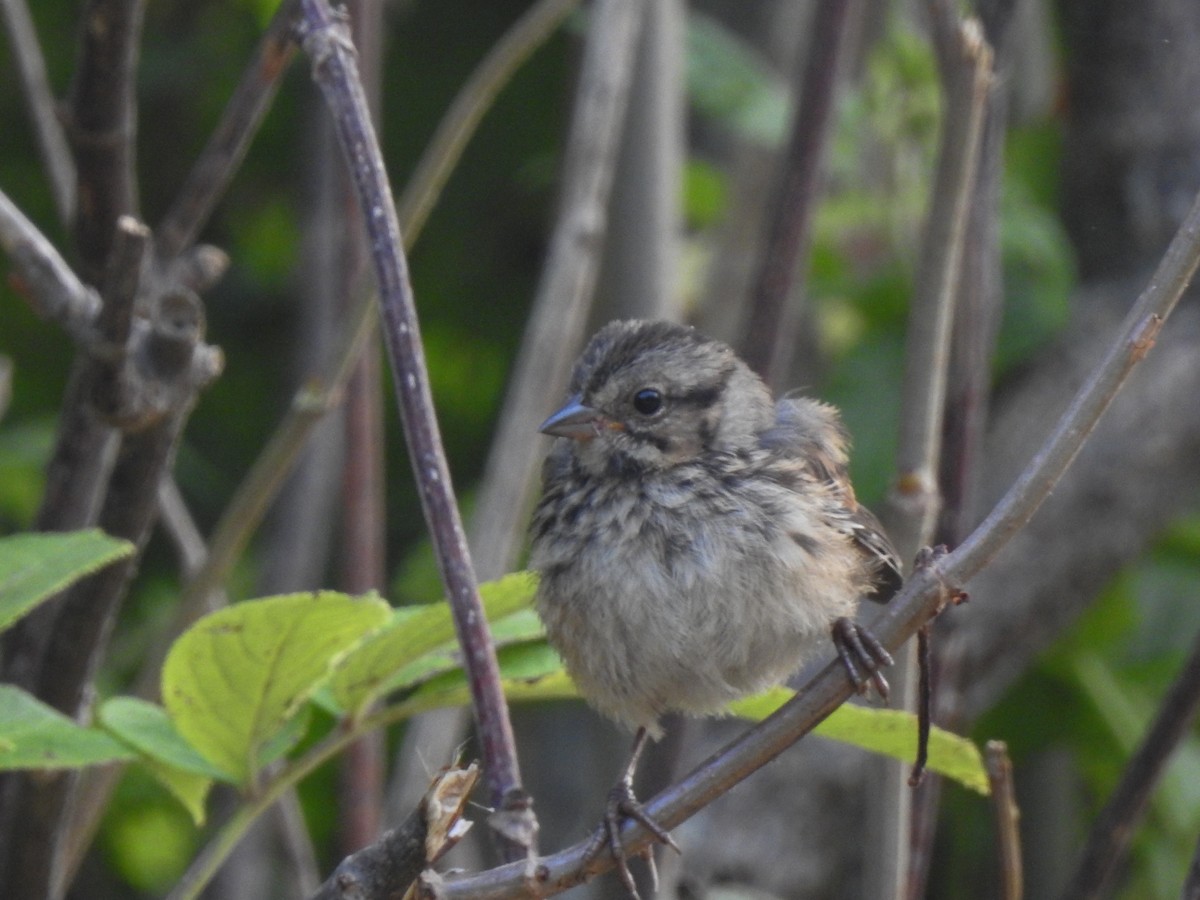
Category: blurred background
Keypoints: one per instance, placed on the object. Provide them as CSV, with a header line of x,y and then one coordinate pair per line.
x,y
1071,638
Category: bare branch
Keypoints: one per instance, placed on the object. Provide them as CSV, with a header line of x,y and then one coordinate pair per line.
x,y
1112,832
771,328
102,125
559,313
335,71
965,61
469,106
43,110
227,146
44,279
1008,819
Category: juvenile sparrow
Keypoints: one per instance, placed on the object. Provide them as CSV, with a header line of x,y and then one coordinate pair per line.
x,y
697,541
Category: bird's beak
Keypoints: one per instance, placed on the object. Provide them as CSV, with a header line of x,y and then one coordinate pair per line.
x,y
573,420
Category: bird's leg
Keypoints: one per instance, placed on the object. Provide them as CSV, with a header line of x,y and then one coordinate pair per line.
x,y
622,804
857,647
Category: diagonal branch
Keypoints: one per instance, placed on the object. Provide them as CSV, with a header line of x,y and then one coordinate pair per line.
x,y
31,69
1112,833
559,314
770,332
334,69
227,146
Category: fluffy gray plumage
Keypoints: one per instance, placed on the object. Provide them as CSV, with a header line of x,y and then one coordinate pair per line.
x,y
696,540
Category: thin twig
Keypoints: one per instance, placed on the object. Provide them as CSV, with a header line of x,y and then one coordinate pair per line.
x,y
770,330
1191,885
1112,832
335,71
920,599
43,277
965,62
976,318
558,316
475,98
227,146
362,561
43,110
1007,817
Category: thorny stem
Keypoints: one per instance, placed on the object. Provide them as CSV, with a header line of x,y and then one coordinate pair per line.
x,y
324,39
920,599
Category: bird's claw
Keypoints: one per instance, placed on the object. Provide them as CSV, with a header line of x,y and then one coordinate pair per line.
x,y
857,647
621,805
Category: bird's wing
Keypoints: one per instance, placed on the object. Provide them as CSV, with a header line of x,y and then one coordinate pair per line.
x,y
811,433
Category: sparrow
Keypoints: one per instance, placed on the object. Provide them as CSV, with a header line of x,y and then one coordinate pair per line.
x,y
697,540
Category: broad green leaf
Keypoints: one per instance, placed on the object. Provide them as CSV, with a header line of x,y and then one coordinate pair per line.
x,y
34,567
890,732
35,736
417,642
527,672
146,728
232,682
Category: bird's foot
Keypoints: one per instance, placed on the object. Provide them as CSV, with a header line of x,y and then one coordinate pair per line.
x,y
621,805
860,651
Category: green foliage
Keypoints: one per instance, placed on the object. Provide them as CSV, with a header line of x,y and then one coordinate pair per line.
x,y
145,728
730,83
889,732
34,736
402,652
24,450
238,676
34,567
147,838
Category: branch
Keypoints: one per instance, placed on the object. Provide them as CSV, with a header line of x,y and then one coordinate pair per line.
x,y
395,861
559,313
965,64
470,104
324,39
770,331
43,278
221,157
1112,832
921,598
1007,818
102,125
43,110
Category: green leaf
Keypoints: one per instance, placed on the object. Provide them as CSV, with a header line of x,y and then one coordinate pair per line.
x,y
35,567
146,728
890,732
527,672
727,80
417,642
34,736
233,681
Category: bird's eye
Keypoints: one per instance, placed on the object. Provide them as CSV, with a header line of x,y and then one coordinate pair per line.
x,y
647,401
